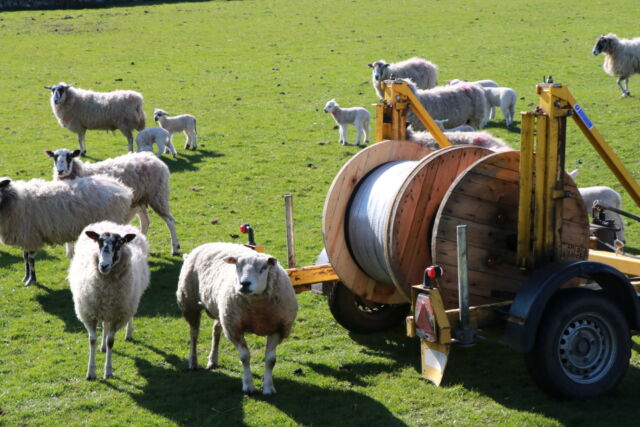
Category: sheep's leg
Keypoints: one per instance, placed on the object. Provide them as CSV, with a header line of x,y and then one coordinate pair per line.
x,y
30,268
505,113
171,224
143,216
343,134
625,92
187,141
269,362
69,249
105,332
194,139
492,112
626,84
27,268
83,149
172,149
366,132
245,357
108,370
359,134
127,133
93,337
129,335
193,319
215,344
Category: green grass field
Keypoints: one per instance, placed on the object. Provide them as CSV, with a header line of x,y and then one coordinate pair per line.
x,y
256,75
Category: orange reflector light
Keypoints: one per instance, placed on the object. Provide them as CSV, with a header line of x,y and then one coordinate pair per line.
x,y
425,318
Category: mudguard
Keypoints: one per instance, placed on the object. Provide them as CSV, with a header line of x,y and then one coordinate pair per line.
x,y
531,300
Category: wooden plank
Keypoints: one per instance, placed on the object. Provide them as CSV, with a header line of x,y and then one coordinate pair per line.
x,y
312,274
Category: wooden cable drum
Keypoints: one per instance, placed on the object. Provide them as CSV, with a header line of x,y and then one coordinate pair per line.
x,y
485,197
378,214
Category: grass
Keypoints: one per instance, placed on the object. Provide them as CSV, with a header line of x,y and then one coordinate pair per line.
x,y
257,74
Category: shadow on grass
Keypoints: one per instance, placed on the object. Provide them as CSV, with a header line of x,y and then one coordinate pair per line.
x,y
108,4
60,304
188,160
514,128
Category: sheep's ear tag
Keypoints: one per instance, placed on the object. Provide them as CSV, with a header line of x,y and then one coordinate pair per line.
x,y
128,237
92,235
230,260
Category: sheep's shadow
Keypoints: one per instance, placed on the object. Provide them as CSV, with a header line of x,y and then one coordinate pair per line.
x,y
103,5
205,397
188,160
59,303
514,128
160,296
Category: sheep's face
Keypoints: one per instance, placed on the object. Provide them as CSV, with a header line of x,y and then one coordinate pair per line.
x,y
58,92
109,245
603,44
379,68
252,273
62,161
330,106
157,114
5,194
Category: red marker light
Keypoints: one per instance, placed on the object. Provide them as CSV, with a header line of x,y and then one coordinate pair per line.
x,y
434,271
243,228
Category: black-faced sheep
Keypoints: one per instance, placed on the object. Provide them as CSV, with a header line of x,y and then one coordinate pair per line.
x,y
162,138
146,175
108,275
357,116
245,291
621,58
80,110
420,71
185,123
37,212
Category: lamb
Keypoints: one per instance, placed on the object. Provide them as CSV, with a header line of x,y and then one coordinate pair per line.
x,y
185,123
161,137
108,275
502,97
462,128
621,58
606,195
37,212
245,291
78,110
146,175
357,116
459,104
421,71
479,139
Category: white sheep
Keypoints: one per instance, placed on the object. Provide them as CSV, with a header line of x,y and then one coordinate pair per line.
x,y
146,175
483,83
37,212
162,138
79,110
621,58
185,123
606,195
458,104
245,291
108,275
419,70
478,139
357,116
503,97
461,128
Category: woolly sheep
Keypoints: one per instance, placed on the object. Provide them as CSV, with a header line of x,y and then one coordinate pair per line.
x,y
146,175
503,97
462,128
245,291
147,137
185,123
479,139
79,110
37,212
621,58
483,83
606,195
421,71
108,275
357,116
459,105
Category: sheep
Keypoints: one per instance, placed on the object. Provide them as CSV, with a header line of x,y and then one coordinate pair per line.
x,y
459,104
621,58
421,71
37,212
479,139
606,195
502,97
462,128
161,137
108,275
146,175
185,123
79,110
483,83
357,116
244,291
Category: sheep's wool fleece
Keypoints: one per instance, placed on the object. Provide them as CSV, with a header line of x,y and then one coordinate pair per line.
x,y
113,297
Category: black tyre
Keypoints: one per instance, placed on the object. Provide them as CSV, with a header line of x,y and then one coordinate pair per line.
x,y
583,345
362,316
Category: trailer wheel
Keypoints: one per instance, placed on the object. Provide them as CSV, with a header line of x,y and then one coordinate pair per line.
x,y
362,316
583,345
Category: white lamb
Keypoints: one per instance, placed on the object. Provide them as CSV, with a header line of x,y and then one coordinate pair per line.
x,y
108,275
606,195
621,58
419,70
245,291
37,212
357,116
505,98
78,110
146,175
458,104
147,137
478,139
185,123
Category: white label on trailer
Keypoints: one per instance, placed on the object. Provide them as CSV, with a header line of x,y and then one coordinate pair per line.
x,y
435,359
583,116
